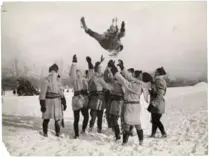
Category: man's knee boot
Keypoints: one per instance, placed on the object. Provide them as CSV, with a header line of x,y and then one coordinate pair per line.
x,y
125,137
57,128
131,131
140,136
45,127
76,129
85,123
162,130
99,123
92,120
117,132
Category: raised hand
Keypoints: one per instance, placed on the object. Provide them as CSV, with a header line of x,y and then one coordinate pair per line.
x,y
88,59
120,64
111,63
102,59
90,65
113,68
123,25
74,59
122,29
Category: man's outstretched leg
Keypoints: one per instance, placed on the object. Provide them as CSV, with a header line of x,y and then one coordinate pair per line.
x,y
83,23
93,34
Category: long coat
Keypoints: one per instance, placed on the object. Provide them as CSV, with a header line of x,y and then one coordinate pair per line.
x,y
79,84
97,84
133,90
115,107
51,84
159,88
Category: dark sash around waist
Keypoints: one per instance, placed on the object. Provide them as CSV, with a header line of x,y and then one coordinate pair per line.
x,y
131,102
116,97
77,93
51,95
85,92
96,93
82,92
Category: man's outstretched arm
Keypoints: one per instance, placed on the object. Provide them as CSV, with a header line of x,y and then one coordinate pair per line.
x,y
122,30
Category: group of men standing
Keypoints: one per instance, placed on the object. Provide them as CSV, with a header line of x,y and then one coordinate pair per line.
x,y
115,90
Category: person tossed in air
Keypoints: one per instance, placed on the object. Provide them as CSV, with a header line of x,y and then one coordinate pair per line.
x,y
109,40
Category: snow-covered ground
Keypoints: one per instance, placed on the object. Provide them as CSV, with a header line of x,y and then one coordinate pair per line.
x,y
185,122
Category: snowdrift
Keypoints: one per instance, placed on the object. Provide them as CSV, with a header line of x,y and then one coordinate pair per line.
x,y
201,84
185,122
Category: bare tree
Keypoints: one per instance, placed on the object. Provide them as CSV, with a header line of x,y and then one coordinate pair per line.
x,y
7,72
16,68
26,70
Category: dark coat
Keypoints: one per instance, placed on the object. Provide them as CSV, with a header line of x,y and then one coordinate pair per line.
x,y
157,96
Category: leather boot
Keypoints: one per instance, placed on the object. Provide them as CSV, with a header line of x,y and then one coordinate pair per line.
x,y
140,136
45,127
125,138
154,129
117,132
57,128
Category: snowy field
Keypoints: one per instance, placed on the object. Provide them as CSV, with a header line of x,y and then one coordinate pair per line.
x,y
185,121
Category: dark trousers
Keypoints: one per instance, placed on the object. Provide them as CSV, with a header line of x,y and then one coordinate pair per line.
x,y
109,120
96,35
96,114
85,114
108,116
156,123
115,125
56,124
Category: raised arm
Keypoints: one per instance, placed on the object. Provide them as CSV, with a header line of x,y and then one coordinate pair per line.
x,y
91,68
124,71
145,92
123,81
104,84
73,68
121,34
91,73
127,75
60,87
108,77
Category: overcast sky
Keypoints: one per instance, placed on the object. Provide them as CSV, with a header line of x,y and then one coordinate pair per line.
x,y
169,34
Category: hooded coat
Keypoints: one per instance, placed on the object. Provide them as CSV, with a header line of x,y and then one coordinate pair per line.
x,y
52,85
159,89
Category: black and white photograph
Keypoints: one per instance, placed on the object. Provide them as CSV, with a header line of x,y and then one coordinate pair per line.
x,y
104,78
